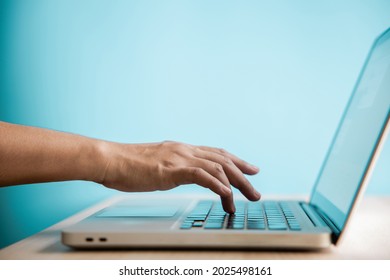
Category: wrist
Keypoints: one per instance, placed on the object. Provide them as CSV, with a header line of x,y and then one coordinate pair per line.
x,y
97,160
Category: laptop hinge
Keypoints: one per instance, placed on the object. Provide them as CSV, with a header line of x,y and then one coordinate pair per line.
x,y
319,218
335,230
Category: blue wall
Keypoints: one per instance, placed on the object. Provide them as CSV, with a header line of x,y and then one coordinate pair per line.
x,y
267,80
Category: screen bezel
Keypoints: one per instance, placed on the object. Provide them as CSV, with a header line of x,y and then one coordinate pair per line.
x,y
339,219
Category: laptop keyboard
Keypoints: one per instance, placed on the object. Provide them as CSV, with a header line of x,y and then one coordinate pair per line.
x,y
265,215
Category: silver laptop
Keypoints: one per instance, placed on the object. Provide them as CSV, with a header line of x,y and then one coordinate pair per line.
x,y
188,222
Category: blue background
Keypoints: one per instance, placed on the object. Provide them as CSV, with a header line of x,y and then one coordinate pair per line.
x,y
267,80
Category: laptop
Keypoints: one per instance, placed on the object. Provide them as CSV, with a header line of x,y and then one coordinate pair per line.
x,y
184,221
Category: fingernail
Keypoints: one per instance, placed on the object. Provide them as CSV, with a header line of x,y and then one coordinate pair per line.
x,y
258,195
255,167
226,190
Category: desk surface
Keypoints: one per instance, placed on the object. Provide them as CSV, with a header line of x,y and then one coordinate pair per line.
x,y
367,238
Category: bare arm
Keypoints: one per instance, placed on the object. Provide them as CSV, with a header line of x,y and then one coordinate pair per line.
x,y
32,155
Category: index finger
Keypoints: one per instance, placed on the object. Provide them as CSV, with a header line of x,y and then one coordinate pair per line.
x,y
194,175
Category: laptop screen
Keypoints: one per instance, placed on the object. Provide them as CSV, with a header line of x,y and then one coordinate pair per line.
x,y
356,138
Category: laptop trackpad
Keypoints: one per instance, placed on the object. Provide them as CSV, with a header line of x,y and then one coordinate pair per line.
x,y
140,211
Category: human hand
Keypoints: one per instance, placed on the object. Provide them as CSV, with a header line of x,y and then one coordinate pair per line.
x,y
166,165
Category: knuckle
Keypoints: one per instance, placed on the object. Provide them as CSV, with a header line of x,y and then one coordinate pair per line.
x,y
168,143
225,195
195,172
222,151
167,162
165,143
218,167
227,160
197,149
176,147
215,185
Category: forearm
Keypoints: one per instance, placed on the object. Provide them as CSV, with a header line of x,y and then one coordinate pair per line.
x,y
32,155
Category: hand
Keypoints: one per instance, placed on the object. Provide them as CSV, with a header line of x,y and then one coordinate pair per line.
x,y
166,165
36,155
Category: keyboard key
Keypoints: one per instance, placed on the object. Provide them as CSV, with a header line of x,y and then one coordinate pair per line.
x,y
186,226
277,227
197,224
254,226
249,215
236,226
255,220
213,226
295,228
